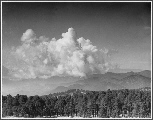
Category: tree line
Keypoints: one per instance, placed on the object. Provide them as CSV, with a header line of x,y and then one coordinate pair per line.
x,y
75,102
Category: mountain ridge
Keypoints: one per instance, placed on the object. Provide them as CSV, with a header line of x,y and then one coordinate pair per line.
x,y
93,82
109,80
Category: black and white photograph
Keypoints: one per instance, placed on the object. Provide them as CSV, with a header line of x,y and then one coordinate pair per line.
x,y
76,59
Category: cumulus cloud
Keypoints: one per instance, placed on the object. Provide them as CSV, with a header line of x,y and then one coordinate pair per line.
x,y
67,56
28,36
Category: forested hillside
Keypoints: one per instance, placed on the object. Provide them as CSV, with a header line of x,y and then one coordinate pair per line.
x,y
75,102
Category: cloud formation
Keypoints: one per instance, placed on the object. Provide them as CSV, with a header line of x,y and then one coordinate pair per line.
x,y
67,56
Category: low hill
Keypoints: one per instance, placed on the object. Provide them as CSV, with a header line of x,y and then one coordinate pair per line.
x,y
146,73
136,81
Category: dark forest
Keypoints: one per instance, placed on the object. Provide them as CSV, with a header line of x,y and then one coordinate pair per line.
x,y
75,102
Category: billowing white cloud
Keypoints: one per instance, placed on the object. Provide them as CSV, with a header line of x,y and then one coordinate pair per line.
x,y
67,56
28,36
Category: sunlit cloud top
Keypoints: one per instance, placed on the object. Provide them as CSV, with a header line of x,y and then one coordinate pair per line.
x,y
68,56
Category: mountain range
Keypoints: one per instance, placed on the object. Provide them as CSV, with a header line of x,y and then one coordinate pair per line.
x,y
109,80
95,82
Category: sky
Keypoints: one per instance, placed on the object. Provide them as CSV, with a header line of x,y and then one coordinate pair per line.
x,y
41,40
124,28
